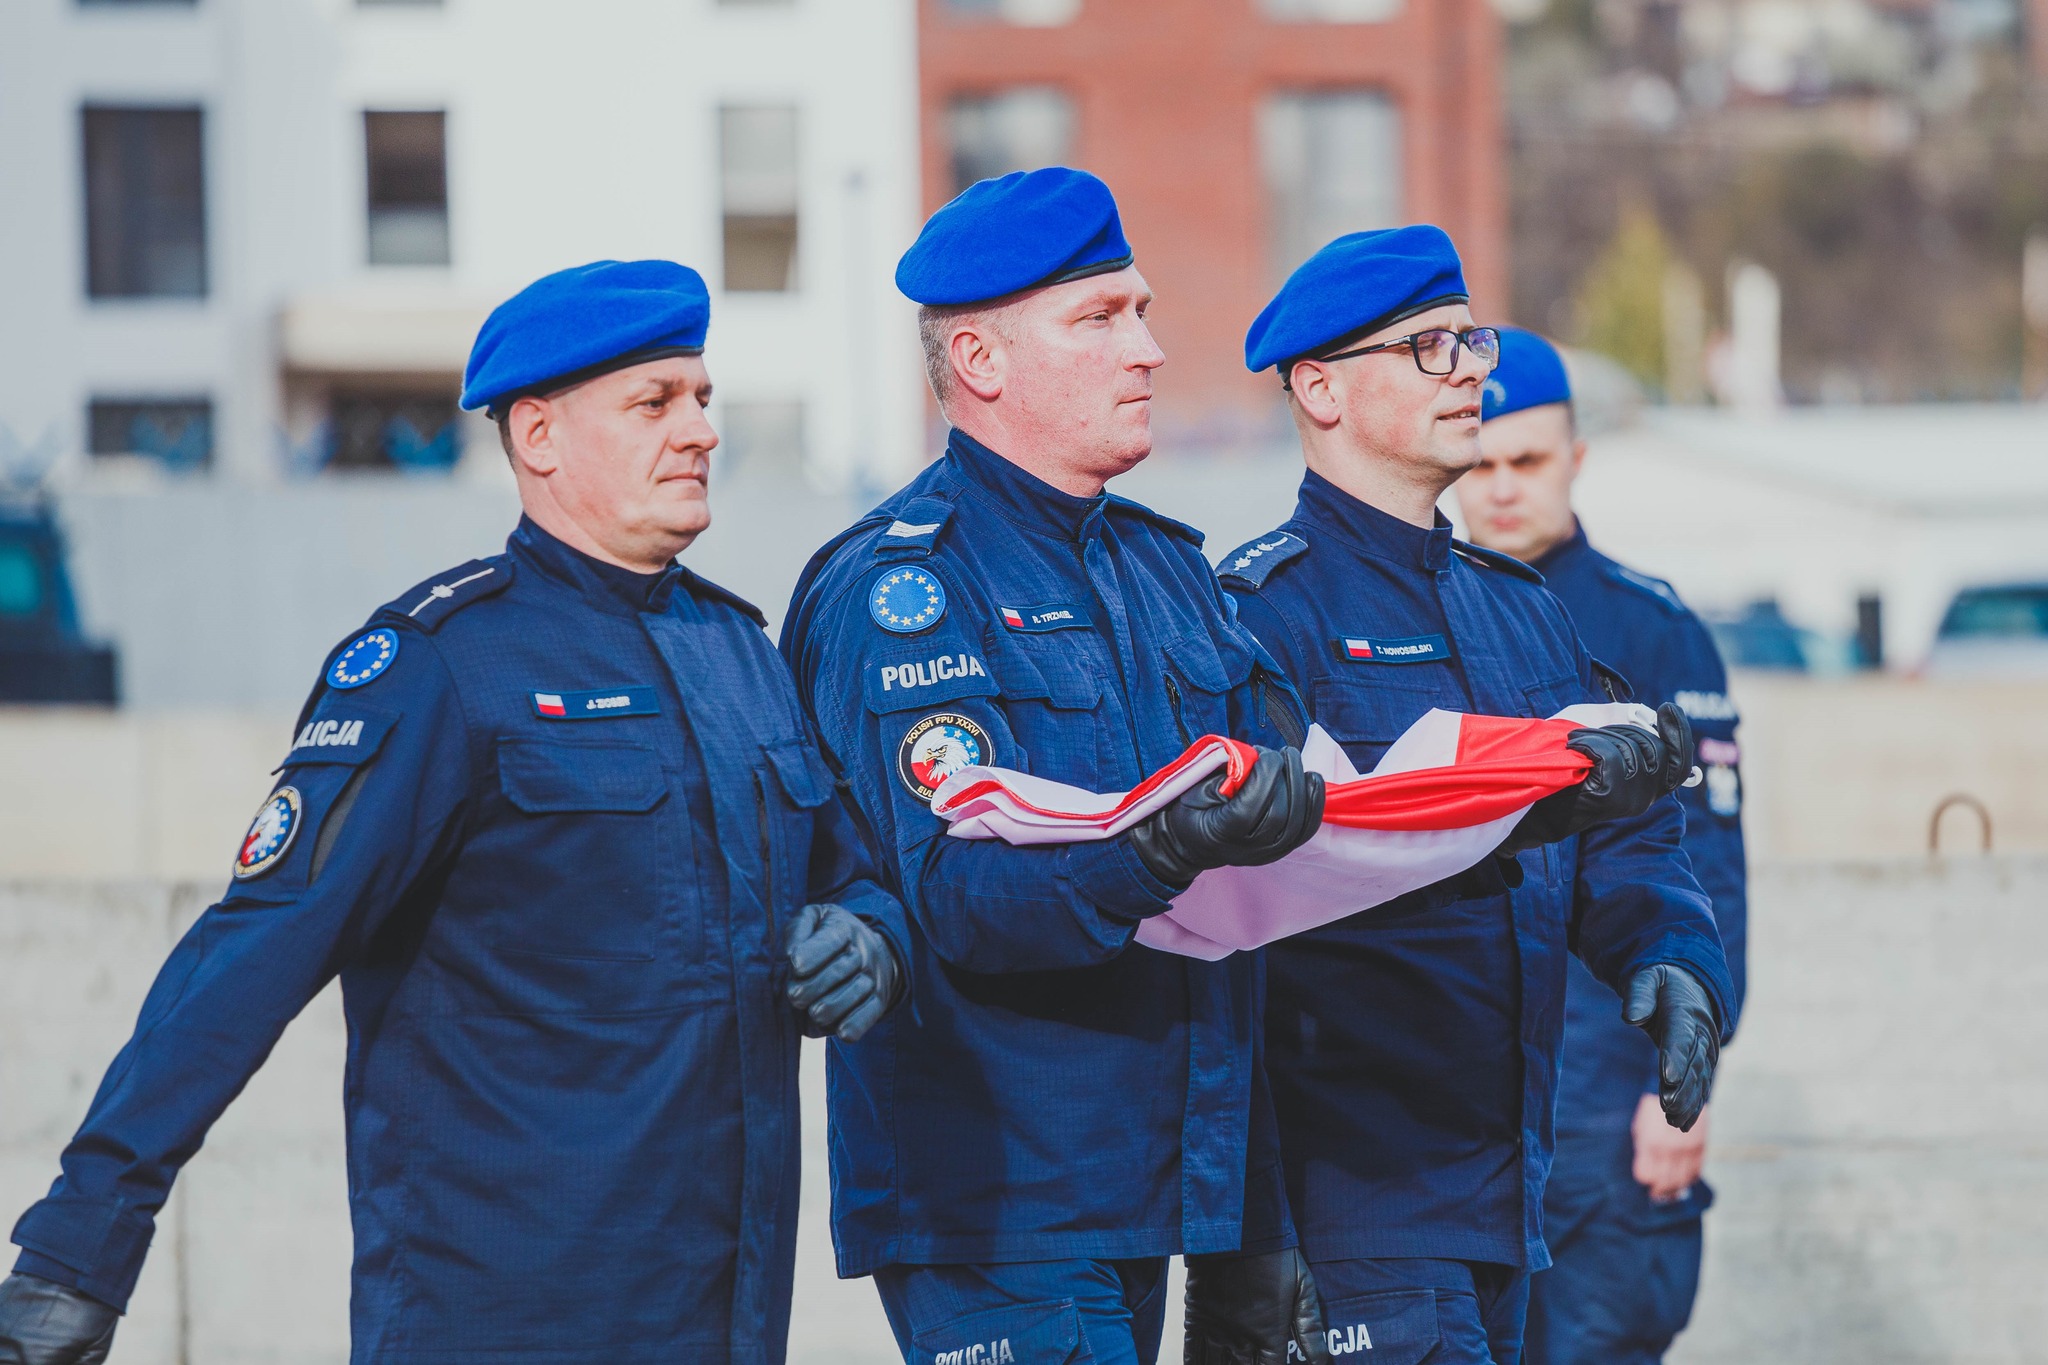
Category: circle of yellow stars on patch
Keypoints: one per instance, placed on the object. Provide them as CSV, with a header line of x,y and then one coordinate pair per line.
x,y
891,592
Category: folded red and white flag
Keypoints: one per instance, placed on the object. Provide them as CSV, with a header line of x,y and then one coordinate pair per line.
x,y
1442,797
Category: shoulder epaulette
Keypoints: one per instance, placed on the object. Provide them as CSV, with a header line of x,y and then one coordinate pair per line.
x,y
1251,562
914,529
434,601
1665,594
1159,519
1494,559
727,596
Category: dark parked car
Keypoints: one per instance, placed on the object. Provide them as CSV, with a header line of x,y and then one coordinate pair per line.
x,y
43,657
1996,631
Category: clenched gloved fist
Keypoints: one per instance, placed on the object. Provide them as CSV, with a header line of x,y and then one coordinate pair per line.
x,y
42,1323
1275,812
1248,1310
843,975
1632,769
1667,1003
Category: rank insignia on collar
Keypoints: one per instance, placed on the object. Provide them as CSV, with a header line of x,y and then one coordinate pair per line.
x,y
270,834
367,656
938,746
906,599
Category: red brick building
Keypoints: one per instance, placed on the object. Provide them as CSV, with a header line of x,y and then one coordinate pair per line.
x,y
1239,135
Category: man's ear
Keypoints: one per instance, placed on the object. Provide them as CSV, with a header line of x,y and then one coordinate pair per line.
x,y
1315,391
1578,455
978,360
530,424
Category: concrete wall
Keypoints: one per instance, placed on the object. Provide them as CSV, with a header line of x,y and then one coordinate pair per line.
x,y
1876,1135
1844,768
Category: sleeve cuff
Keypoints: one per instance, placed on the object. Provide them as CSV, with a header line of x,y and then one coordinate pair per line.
x,y
94,1247
1114,879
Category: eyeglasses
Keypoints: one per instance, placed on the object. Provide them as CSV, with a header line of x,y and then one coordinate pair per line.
x,y
1436,350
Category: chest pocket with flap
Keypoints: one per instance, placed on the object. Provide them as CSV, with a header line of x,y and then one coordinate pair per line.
x,y
596,867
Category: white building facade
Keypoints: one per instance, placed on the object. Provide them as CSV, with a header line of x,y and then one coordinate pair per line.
x,y
245,244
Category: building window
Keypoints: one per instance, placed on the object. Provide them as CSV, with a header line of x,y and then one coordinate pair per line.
x,y
406,156
145,204
393,429
1332,165
764,439
1331,11
758,184
176,432
1019,129
1025,13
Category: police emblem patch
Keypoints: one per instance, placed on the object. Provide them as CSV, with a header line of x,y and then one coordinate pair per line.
x,y
936,747
368,655
270,834
906,599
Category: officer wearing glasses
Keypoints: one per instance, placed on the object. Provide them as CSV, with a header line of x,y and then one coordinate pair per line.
x,y
1623,1209
1414,1047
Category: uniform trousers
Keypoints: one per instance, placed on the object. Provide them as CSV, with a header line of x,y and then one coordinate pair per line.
x,y
1076,1312
1423,1311
1623,1269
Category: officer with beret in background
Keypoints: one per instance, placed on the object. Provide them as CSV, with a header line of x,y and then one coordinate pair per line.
x,y
1622,1211
557,822
1413,1047
1015,1162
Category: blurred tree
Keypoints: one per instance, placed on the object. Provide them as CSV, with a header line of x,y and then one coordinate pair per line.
x,y
1620,303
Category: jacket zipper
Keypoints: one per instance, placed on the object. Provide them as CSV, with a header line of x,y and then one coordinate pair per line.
x,y
767,858
1179,722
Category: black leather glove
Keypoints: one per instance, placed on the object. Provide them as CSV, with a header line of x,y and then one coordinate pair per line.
x,y
1275,812
844,975
43,1323
1248,1310
1632,769
1670,1005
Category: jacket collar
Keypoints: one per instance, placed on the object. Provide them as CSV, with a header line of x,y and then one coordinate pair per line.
x,y
1366,528
1017,494
1566,554
623,592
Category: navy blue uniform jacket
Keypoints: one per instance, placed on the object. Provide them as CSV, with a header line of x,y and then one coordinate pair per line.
x,y
550,850
1638,624
1058,1092
1414,1046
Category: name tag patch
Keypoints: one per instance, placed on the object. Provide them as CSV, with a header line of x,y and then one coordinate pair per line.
x,y
616,701
1414,649
1052,616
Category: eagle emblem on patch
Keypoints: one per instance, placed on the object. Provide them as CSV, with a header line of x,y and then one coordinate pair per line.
x,y
367,656
935,748
906,599
270,834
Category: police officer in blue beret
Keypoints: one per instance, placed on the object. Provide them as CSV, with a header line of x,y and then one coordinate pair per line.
x,y
1015,1162
1622,1211
1414,1047
556,820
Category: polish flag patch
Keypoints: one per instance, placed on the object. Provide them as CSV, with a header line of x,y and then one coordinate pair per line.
x,y
549,704
1013,617
1357,649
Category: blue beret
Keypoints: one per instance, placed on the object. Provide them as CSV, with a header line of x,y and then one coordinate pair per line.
x,y
1022,231
580,323
1352,288
1530,374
